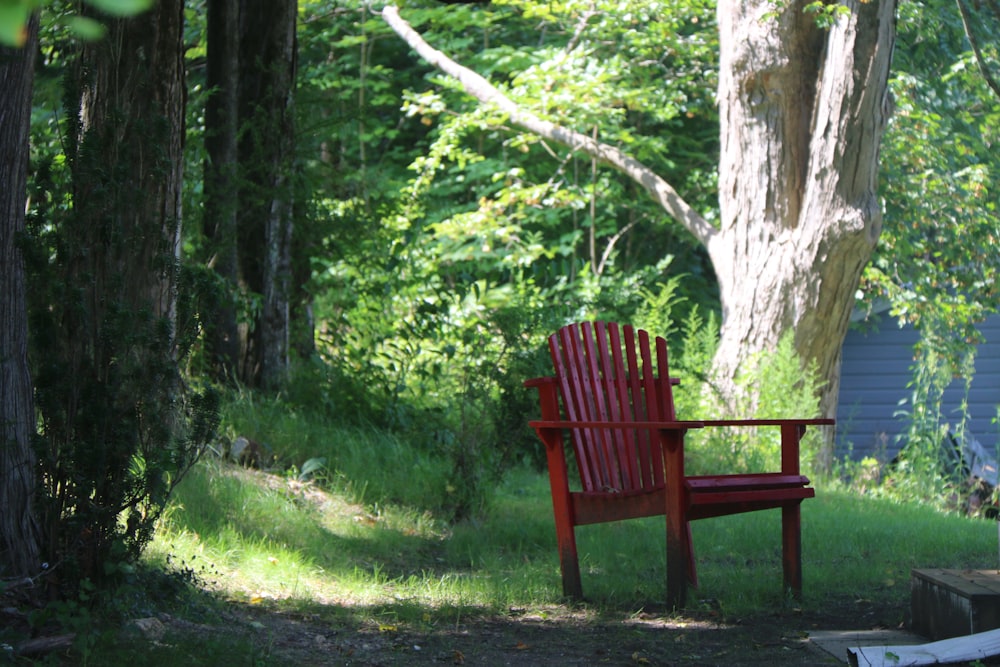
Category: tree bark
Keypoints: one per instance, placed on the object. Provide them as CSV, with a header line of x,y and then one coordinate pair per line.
x,y
127,158
114,343
221,184
802,112
266,88
19,547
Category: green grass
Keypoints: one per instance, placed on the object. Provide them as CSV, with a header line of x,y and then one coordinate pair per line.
x,y
363,542
268,539
273,538
366,464
363,545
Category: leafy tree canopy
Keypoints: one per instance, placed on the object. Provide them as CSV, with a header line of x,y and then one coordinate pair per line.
x,y
937,257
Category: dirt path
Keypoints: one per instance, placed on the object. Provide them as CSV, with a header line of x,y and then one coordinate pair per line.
x,y
557,639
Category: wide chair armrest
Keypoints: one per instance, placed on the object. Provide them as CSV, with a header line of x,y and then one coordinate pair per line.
x,y
624,425
768,422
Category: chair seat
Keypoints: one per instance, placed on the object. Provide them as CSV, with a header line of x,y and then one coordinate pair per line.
x,y
755,481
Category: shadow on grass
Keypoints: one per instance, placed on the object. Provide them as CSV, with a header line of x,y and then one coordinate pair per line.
x,y
303,633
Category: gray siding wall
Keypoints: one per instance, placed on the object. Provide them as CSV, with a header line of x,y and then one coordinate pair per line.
x,y
875,374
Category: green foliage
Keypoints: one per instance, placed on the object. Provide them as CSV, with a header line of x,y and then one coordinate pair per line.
x,y
496,199
657,311
448,375
101,620
935,264
928,468
935,260
774,386
14,17
72,615
826,13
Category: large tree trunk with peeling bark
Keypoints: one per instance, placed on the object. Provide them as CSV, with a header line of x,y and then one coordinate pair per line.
x,y
802,112
19,547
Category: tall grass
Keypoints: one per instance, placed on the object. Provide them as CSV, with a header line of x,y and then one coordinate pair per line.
x,y
362,462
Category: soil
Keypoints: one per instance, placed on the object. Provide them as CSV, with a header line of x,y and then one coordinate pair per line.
x,y
561,636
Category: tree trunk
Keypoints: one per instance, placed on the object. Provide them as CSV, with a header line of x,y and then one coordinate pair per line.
x,y
111,419
128,158
221,178
19,549
802,114
266,87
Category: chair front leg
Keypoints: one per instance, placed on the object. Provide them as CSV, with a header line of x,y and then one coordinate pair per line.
x,y
562,508
791,548
678,532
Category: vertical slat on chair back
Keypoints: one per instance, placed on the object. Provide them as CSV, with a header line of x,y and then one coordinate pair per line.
x,y
607,373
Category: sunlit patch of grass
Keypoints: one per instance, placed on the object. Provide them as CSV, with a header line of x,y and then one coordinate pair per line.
x,y
269,539
272,540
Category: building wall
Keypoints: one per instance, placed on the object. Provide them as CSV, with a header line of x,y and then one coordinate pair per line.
x,y
875,374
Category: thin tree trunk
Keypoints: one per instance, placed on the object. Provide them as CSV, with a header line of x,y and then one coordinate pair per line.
x,y
267,77
221,180
19,548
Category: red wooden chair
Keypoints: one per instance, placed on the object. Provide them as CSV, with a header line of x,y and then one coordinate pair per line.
x,y
611,393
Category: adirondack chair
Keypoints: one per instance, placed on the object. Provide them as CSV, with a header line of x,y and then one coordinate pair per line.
x,y
611,394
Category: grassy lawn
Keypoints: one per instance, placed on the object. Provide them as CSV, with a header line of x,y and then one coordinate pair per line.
x,y
266,539
360,552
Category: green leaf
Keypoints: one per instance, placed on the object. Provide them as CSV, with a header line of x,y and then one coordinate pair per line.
x,y
86,28
122,7
310,467
13,17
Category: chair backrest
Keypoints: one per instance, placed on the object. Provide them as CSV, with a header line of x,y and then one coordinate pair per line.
x,y
607,373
